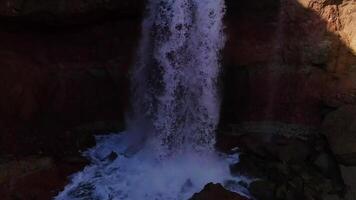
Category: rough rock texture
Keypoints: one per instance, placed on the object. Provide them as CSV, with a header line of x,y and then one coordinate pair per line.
x,y
340,129
64,76
59,74
216,192
35,177
287,69
292,62
65,63
64,12
296,175
349,174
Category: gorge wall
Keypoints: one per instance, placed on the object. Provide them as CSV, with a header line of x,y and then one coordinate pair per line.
x,y
288,65
65,64
291,61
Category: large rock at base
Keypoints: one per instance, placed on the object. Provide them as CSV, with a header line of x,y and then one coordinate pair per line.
x,y
340,129
35,177
349,175
216,192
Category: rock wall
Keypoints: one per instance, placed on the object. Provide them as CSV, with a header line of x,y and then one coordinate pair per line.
x,y
63,64
290,70
290,60
289,67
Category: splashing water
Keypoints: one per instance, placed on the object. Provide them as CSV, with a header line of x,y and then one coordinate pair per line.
x,y
143,177
167,152
175,79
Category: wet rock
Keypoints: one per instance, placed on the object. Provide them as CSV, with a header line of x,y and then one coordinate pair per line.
x,y
312,177
216,192
36,177
112,156
263,190
247,166
268,144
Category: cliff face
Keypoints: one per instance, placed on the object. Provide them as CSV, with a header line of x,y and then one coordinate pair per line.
x,y
63,76
65,64
290,70
290,61
64,68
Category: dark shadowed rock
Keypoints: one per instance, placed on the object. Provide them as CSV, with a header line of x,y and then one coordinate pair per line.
x,y
349,174
340,129
304,60
216,192
36,177
263,190
66,12
55,81
314,176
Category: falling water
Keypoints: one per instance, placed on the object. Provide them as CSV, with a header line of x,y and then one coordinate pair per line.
x,y
167,151
175,79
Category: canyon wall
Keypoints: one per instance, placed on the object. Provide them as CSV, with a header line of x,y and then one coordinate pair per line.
x,y
64,67
288,67
289,60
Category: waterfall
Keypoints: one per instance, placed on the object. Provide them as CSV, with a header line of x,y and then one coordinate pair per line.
x,y
175,78
167,151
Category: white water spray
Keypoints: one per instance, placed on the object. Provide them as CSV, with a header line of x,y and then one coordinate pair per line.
x,y
175,79
167,152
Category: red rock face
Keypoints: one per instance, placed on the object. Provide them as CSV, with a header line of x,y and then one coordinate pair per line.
x,y
251,29
284,61
65,63
55,78
287,61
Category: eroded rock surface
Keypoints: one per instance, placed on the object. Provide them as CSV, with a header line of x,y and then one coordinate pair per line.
x,y
216,192
340,129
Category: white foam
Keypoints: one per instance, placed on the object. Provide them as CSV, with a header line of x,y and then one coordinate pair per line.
x,y
167,153
143,176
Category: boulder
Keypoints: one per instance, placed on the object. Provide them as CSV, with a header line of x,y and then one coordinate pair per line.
x,y
349,175
216,192
340,130
36,177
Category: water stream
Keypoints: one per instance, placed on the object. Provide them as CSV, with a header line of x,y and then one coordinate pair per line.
x,y
167,151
